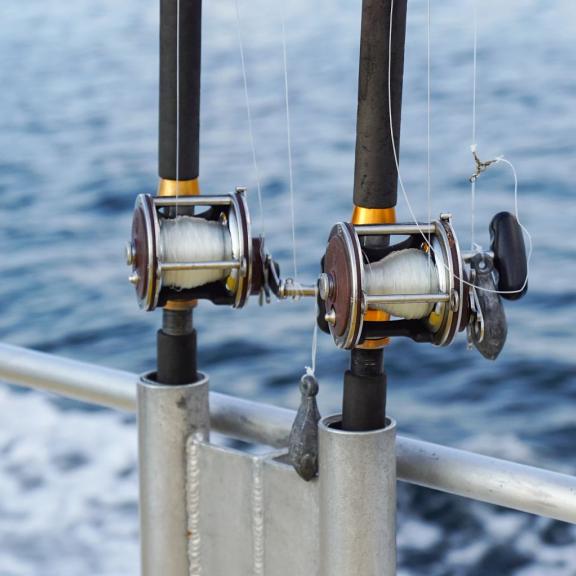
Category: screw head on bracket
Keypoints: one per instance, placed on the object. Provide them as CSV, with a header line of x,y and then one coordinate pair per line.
x,y
330,317
130,254
454,301
325,285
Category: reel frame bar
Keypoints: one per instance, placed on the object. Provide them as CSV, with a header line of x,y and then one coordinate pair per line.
x,y
394,229
213,265
201,200
370,299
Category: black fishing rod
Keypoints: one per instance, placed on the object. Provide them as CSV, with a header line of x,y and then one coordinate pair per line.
x,y
178,164
375,186
425,281
179,102
176,233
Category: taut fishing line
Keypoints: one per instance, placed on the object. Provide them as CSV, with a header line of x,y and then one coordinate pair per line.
x,y
249,117
289,144
177,103
473,145
480,167
428,127
310,370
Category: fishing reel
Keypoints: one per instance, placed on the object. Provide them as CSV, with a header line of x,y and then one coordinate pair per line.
x,y
425,282
177,254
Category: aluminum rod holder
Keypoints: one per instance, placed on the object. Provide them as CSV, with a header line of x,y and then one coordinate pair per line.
x,y
483,478
357,500
167,417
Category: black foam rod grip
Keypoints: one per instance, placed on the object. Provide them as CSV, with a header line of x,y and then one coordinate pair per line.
x,y
179,114
509,255
176,358
375,173
364,401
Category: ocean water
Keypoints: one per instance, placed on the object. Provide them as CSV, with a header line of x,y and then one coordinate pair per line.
x,y
78,124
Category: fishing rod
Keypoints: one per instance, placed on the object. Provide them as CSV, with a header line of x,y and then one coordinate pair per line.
x,y
185,246
425,281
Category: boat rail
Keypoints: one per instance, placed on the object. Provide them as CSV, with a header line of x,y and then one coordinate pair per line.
x,y
459,472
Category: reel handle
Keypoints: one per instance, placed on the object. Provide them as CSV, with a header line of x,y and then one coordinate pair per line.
x,y
507,244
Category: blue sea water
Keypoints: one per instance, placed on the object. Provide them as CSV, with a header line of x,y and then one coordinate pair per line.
x,y
78,126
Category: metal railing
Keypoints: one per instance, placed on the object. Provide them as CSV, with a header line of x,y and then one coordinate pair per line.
x,y
496,481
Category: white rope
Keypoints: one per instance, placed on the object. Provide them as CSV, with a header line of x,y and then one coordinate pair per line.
x,y
250,124
407,199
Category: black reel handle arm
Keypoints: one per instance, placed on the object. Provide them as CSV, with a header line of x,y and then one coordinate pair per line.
x,y
510,261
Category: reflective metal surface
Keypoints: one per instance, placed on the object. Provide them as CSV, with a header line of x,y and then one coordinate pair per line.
x,y
483,478
397,229
249,514
168,416
357,501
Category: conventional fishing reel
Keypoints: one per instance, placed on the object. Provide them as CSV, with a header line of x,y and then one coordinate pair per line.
x,y
431,289
179,254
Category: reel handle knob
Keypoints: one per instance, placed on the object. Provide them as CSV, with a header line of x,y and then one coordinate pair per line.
x,y
507,244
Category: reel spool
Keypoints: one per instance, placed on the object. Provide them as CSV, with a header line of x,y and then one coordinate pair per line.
x,y
349,285
172,250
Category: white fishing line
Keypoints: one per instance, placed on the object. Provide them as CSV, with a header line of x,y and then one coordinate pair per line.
x,y
500,159
403,272
474,145
428,124
177,104
250,124
289,144
190,239
311,370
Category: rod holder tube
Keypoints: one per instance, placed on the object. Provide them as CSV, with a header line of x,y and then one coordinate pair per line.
x,y
381,65
179,114
357,500
167,417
